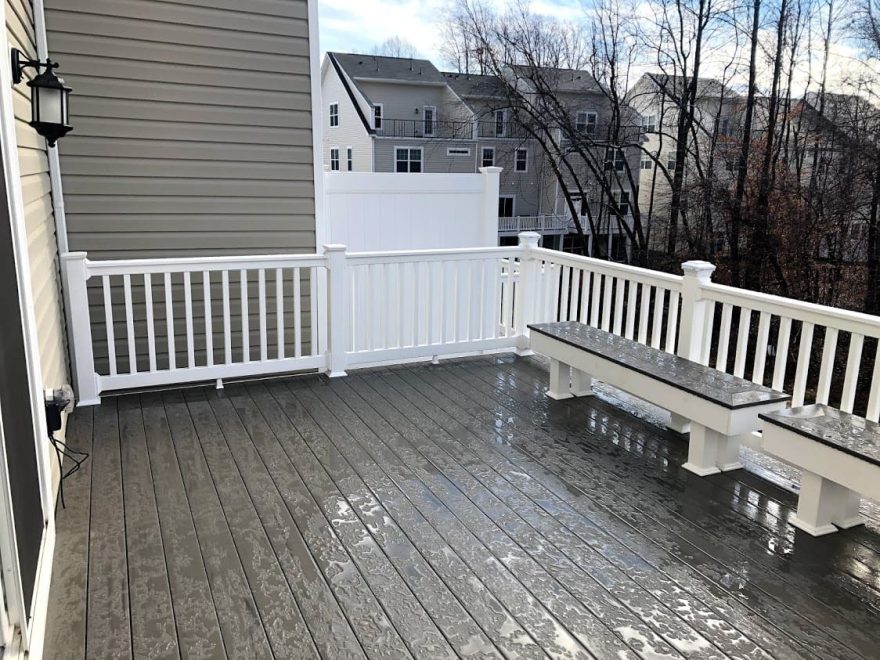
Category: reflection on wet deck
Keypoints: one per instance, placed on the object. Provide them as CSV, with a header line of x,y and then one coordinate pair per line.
x,y
434,511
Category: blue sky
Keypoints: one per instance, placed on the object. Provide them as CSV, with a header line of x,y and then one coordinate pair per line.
x,y
359,25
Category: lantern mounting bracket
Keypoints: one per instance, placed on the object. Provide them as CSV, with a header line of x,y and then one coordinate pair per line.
x,y
20,63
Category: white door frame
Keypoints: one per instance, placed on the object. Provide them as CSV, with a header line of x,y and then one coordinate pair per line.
x,y
32,630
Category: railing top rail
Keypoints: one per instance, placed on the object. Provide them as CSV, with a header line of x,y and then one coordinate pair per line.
x,y
198,264
842,319
451,254
644,275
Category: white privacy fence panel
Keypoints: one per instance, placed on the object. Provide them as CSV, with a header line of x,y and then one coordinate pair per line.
x,y
411,305
391,211
816,353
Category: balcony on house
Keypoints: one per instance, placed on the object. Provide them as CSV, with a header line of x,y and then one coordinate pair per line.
x,y
396,480
543,224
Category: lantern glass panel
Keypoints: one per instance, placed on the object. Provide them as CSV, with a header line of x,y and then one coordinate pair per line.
x,y
50,105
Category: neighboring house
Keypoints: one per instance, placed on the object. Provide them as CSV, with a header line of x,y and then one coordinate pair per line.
x,y
193,135
656,98
387,114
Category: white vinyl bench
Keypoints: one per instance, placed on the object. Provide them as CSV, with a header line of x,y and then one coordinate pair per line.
x,y
839,456
720,407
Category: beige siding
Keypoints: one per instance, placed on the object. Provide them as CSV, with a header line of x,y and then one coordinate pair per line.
x,y
192,126
39,217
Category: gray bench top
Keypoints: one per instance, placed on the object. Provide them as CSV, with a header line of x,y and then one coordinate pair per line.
x,y
848,433
705,382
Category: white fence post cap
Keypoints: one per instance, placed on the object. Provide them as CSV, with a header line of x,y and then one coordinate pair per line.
x,y
335,247
491,170
529,238
702,270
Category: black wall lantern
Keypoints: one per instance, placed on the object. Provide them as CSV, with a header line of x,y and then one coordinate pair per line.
x,y
49,109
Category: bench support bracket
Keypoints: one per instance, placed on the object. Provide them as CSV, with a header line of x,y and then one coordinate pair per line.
x,y
825,506
710,452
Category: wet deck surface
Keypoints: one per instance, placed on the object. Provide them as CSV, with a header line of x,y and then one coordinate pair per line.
x,y
433,511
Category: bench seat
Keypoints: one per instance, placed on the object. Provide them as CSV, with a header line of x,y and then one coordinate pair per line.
x,y
839,455
720,407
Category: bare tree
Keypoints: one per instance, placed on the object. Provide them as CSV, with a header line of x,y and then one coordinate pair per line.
x,y
395,47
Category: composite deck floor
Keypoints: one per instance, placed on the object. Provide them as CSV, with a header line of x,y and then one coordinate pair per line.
x,y
433,511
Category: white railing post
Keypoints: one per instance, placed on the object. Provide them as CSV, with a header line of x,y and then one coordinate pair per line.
x,y
489,215
75,274
694,309
524,301
338,313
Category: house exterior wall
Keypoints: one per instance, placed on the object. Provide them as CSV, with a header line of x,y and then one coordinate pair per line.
x,y
351,131
193,135
400,100
39,215
435,154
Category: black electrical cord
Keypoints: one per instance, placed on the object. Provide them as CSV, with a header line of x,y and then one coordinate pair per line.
x,y
63,452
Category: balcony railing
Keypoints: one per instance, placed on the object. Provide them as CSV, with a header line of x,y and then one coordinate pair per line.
x,y
450,130
544,224
163,321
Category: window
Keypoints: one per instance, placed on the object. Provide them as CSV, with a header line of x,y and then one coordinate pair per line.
x,y
407,159
334,159
646,162
430,118
377,116
522,160
500,123
456,151
586,122
334,114
649,123
349,155
671,161
488,157
725,127
615,159
505,206
621,201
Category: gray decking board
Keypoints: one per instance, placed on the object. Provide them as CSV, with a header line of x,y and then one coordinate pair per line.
x,y
67,606
687,520
108,630
195,616
244,635
537,526
153,632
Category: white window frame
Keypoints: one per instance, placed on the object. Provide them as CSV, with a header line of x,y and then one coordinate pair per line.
x,y
333,116
503,132
618,200
379,125
645,158
461,152
433,109
617,161
589,127
483,151
421,151
349,158
649,123
512,199
671,160
332,168
516,160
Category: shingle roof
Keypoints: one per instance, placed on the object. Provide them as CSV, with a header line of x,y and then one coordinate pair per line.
x,y
378,67
706,87
468,85
560,80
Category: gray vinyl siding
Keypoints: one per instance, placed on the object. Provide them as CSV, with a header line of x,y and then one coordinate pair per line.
x,y
435,158
351,131
192,137
38,211
192,126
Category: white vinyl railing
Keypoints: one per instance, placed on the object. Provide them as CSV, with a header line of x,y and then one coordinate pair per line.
x,y
539,223
148,322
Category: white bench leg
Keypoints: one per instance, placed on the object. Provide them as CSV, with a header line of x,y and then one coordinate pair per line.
x,y
825,506
560,380
710,452
581,383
